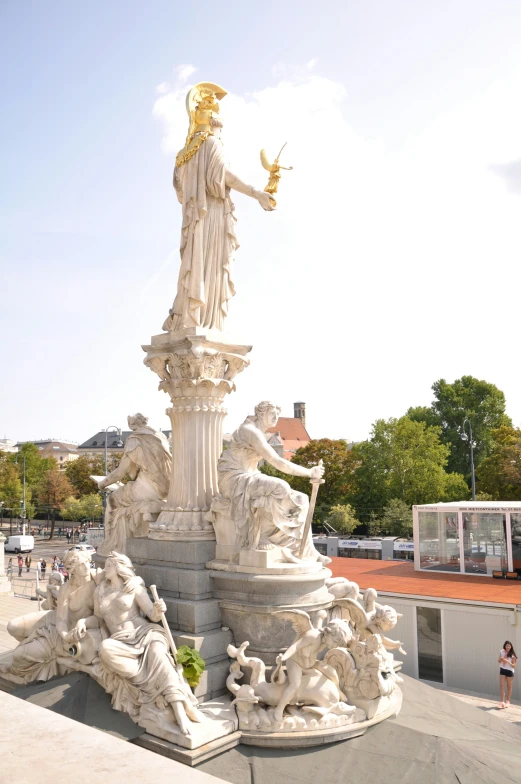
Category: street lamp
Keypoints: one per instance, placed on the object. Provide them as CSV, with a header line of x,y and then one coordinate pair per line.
x,y
468,438
119,444
22,514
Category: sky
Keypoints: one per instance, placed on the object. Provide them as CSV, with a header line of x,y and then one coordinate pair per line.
x,y
391,261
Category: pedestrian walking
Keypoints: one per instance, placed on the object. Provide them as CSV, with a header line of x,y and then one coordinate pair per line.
x,y
20,565
507,664
28,561
43,567
68,536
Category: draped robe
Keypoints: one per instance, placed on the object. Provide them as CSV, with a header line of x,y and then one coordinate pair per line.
x,y
208,241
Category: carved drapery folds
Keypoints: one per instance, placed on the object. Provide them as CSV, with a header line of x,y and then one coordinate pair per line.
x,y
196,369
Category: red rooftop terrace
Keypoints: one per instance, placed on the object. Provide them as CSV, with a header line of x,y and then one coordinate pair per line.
x,y
400,577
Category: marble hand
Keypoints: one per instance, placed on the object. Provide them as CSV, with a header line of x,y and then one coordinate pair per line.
x,y
159,608
317,472
265,200
79,630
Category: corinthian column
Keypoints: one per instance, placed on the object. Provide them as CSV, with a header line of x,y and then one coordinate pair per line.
x,y
196,367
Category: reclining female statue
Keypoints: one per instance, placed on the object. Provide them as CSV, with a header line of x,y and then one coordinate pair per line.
x,y
136,667
265,510
45,636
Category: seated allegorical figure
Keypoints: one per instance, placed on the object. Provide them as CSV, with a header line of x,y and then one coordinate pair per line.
x,y
135,665
45,636
265,511
148,463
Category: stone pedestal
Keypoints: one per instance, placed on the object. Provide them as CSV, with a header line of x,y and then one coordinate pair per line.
x,y
178,571
5,584
248,601
196,367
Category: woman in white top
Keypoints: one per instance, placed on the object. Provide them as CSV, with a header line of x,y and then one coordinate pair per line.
x,y
507,661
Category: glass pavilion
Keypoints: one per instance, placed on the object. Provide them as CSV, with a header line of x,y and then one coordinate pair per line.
x,y
468,537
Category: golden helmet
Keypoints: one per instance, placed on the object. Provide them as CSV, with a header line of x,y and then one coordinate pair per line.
x,y
202,102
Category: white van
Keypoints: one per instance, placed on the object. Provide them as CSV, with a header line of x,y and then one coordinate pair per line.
x,y
19,544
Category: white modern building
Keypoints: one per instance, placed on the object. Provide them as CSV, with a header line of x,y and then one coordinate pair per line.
x,y
452,626
468,537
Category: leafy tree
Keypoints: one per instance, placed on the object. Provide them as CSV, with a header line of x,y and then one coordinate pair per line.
x,y
499,474
11,489
402,460
52,490
72,509
396,519
36,466
456,488
339,464
88,507
424,414
92,506
343,519
80,470
484,405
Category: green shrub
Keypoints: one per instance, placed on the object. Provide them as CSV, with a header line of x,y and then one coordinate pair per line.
x,y
192,663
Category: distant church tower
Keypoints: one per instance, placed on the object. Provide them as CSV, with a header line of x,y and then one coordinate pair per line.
x,y
299,411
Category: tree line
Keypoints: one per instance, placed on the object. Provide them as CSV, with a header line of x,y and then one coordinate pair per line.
x,y
49,492
419,458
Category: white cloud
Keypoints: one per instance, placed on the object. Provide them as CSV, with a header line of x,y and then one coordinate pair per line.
x,y
163,88
385,267
184,72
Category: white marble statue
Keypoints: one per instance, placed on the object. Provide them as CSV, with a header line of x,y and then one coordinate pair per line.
x,y
303,692
51,590
202,182
45,637
369,617
263,511
130,509
135,665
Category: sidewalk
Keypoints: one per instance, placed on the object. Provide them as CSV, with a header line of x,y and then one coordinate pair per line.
x,y
12,607
485,702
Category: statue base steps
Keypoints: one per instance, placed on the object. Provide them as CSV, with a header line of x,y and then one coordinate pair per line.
x,y
319,737
255,562
177,569
189,757
223,721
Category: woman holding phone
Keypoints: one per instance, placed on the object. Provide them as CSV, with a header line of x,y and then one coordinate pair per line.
x,y
507,664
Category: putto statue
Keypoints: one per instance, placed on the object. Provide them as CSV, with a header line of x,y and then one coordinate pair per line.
x,y
202,183
355,679
264,512
132,507
303,693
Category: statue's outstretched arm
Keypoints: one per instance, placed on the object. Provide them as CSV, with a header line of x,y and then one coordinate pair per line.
x,y
235,182
118,474
265,451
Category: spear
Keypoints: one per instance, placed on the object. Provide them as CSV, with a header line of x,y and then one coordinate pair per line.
x,y
166,627
307,525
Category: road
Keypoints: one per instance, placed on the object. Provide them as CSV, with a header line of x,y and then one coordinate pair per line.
x,y
43,548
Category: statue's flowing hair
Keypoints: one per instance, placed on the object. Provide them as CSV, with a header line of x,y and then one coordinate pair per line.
x,y
73,557
125,570
264,406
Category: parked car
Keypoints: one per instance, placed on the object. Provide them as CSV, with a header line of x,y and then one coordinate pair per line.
x,y
19,544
